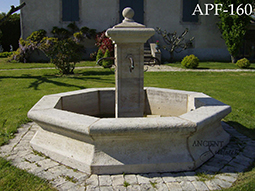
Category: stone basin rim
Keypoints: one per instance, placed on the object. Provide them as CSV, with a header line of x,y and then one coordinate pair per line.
x,y
117,145
91,126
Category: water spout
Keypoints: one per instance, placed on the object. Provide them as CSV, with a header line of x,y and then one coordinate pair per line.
x,y
106,58
132,63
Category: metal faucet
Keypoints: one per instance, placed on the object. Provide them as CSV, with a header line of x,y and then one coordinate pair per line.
x,y
105,58
132,63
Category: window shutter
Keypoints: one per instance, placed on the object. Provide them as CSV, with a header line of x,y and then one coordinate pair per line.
x,y
70,10
138,7
66,14
188,9
75,10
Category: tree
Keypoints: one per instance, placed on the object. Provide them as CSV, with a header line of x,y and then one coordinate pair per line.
x,y
64,54
12,10
108,62
10,31
64,49
1,34
233,27
175,43
100,54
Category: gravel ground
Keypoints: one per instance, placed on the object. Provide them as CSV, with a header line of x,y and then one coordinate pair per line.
x,y
164,68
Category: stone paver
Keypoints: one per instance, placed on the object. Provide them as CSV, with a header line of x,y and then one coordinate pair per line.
x,y
222,170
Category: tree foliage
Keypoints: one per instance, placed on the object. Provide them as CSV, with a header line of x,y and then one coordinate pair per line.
x,y
11,11
107,63
104,43
26,47
105,50
1,34
64,54
233,27
63,49
100,54
10,30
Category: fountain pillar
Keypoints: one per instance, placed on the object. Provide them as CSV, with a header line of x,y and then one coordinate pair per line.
x,y
129,38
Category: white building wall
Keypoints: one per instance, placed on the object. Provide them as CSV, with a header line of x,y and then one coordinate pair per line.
x,y
102,14
97,14
208,44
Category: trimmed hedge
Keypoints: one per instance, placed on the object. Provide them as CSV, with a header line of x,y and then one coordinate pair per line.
x,y
5,54
243,63
190,61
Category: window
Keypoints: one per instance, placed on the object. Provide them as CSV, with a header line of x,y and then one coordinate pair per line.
x,y
70,10
137,5
188,7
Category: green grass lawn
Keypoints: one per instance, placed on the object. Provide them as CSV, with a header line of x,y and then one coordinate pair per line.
x,y
12,178
212,65
4,64
21,89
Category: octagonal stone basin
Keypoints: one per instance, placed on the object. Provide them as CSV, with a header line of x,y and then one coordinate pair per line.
x,y
182,130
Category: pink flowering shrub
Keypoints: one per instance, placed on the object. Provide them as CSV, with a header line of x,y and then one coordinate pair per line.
x,y
104,43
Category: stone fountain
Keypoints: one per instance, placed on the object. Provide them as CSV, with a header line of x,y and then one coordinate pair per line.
x,y
154,129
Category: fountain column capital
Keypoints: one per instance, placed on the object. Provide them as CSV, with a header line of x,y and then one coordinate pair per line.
x,y
129,31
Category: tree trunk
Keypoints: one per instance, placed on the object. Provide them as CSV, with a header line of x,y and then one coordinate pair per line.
x,y
233,59
171,57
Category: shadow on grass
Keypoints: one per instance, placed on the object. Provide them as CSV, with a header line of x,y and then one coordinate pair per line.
x,y
97,73
42,79
39,80
202,68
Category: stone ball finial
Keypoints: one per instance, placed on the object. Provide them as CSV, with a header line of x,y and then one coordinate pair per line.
x,y
128,13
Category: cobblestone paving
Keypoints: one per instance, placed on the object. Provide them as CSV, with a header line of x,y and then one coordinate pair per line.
x,y
219,172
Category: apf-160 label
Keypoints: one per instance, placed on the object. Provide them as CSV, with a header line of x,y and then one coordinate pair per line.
x,y
242,9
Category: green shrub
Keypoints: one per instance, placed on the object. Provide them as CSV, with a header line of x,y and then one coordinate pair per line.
x,y
64,49
73,27
107,63
90,33
64,54
22,54
93,56
78,36
5,54
100,54
190,61
37,36
104,43
61,33
243,63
